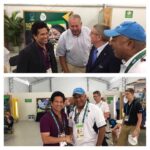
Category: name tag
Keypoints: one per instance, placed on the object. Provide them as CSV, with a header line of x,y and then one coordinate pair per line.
x,y
79,131
126,118
62,143
49,70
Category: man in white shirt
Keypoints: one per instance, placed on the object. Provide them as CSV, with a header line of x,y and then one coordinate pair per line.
x,y
87,123
129,42
101,104
74,46
104,107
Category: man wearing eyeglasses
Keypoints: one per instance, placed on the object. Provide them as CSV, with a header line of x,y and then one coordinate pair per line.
x,y
101,59
86,122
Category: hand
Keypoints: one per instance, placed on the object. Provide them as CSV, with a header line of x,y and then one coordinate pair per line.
x,y
136,132
68,138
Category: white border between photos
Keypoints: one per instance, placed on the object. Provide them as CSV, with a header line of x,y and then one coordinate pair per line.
x,y
77,2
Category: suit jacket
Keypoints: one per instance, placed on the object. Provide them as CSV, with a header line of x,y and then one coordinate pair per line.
x,y
106,62
30,60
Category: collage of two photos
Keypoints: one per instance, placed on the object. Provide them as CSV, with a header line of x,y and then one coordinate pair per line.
x,y
66,71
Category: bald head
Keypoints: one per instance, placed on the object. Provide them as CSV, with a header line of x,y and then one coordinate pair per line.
x,y
75,24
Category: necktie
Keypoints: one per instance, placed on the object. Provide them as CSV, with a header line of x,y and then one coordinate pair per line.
x,y
94,57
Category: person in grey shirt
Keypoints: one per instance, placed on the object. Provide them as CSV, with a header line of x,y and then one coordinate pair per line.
x,y
74,46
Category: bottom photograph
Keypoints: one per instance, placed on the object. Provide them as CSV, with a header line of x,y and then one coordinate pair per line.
x,y
74,111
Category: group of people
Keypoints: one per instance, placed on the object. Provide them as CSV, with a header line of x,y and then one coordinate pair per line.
x,y
86,124
81,50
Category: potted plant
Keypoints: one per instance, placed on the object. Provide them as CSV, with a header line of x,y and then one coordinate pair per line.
x,y
13,29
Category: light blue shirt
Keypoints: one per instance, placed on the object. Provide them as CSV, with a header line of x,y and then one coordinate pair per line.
x,y
76,49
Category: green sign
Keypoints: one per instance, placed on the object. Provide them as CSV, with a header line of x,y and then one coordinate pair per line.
x,y
109,99
129,14
28,100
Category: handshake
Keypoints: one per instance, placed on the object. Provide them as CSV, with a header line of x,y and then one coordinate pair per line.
x,y
67,139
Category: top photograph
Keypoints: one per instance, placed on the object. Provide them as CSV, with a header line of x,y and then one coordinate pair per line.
x,y
102,38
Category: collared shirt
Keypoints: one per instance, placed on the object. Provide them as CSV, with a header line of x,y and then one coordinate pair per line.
x,y
104,106
45,56
76,49
138,67
100,49
94,115
131,111
47,124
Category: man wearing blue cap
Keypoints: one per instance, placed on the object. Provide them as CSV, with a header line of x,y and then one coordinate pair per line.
x,y
86,121
129,42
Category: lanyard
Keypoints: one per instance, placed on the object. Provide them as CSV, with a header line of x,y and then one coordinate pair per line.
x,y
77,114
139,56
57,122
129,109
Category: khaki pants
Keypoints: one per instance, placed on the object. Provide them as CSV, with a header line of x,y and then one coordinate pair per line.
x,y
123,137
75,69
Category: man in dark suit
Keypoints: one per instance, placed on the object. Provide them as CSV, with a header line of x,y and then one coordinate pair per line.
x,y
101,59
38,57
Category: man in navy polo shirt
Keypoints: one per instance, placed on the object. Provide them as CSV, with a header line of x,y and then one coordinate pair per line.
x,y
132,120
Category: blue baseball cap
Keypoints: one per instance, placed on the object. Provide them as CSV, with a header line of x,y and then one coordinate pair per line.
x,y
79,91
130,29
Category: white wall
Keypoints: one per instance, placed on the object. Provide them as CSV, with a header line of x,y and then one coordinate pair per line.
x,y
67,85
89,15
139,15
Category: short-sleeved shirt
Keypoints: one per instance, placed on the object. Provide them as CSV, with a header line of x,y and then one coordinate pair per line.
x,y
94,117
104,106
132,110
47,124
139,67
76,49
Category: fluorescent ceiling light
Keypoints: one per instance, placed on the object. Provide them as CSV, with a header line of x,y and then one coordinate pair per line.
x,y
22,81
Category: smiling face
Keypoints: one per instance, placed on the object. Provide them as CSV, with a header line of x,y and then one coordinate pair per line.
x,y
42,36
75,25
80,100
57,104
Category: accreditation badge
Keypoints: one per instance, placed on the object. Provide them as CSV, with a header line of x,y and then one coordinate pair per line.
x,y
80,131
62,135
126,118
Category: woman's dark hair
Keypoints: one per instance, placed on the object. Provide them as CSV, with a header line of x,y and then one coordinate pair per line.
x,y
59,28
57,93
38,25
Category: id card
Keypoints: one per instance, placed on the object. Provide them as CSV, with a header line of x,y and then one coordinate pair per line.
x,y
79,131
49,70
126,118
62,143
